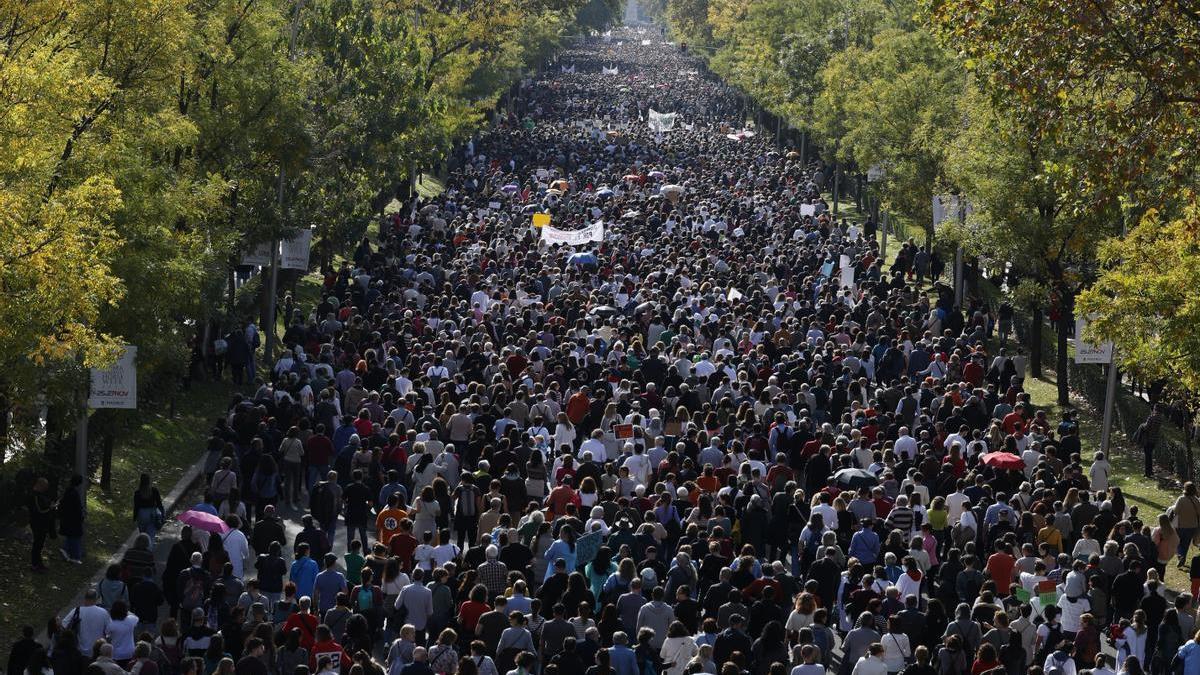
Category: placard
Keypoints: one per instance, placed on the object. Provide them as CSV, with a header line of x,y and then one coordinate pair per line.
x,y
592,233
294,252
623,431
586,548
541,219
808,209
495,206
116,387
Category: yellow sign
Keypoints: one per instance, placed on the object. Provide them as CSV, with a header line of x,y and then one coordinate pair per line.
x,y
541,219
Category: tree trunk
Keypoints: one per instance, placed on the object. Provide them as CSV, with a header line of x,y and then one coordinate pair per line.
x,y
1187,443
1035,342
1062,363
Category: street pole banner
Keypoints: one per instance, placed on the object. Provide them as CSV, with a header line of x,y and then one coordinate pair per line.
x,y
1086,352
553,236
116,387
259,256
293,253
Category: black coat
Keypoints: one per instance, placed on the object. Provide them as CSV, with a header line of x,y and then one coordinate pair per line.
x,y
70,514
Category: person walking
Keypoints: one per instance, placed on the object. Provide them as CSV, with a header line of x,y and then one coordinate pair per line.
x,y
1147,436
41,522
71,515
148,510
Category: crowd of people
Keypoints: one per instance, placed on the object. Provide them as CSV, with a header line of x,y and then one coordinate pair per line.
x,y
729,438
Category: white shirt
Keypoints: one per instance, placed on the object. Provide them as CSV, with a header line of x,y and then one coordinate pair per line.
x,y
93,624
954,507
906,446
870,665
238,549
596,447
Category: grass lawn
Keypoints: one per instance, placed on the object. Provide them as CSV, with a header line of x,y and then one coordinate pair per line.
x,y
164,447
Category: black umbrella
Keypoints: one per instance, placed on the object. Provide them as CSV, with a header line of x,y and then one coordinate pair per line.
x,y
854,478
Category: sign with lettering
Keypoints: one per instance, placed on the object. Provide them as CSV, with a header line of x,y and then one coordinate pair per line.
x,y
116,387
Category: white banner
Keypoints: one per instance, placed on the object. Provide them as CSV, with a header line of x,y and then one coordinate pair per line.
x,y
116,387
1085,352
570,69
293,253
660,121
259,256
553,236
608,71
808,209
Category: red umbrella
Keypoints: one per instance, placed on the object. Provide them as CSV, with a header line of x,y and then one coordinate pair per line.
x,y
1003,460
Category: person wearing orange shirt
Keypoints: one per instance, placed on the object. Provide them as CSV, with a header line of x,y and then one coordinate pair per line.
x,y
387,523
578,406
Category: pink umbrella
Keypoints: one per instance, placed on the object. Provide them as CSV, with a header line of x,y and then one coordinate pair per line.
x,y
203,521
1003,460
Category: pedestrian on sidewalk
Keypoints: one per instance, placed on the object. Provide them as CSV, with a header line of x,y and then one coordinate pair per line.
x,y
71,515
41,522
148,510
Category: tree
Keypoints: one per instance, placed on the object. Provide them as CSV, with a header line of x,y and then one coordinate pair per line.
x,y
1125,70
892,105
1147,303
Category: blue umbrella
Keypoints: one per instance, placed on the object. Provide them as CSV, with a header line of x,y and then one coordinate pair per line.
x,y
582,259
604,192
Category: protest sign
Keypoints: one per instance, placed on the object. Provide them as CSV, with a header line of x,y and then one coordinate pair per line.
x,y
541,219
659,121
592,233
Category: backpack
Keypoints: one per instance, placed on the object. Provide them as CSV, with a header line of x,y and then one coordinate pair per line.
x,y
467,500
193,592
1053,637
172,655
1056,666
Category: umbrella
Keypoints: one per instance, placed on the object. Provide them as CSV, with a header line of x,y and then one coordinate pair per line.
x,y
583,259
554,191
202,520
529,208
560,184
510,188
657,174
428,209
668,189
602,310
631,176
631,214
604,192
793,155
1003,460
855,478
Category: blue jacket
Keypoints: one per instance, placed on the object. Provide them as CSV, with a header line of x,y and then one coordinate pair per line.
x,y
623,660
1190,653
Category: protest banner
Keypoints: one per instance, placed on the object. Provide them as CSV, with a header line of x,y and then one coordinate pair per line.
x,y
592,233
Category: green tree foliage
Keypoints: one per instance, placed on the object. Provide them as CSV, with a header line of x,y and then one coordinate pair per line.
x,y
893,105
1147,302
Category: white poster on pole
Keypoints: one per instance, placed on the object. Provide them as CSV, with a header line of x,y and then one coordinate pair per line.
x,y
1086,352
116,387
259,256
552,236
293,253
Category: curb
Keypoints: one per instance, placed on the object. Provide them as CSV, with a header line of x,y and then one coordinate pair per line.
x,y
194,474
